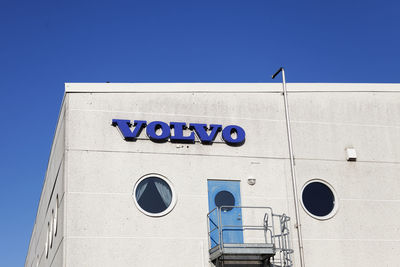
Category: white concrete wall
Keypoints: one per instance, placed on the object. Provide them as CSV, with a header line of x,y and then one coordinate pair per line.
x,y
53,187
365,231
103,227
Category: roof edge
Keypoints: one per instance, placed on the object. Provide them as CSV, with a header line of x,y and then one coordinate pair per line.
x,y
227,87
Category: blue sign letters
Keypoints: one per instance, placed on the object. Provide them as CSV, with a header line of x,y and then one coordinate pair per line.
x,y
152,128
124,127
201,131
159,132
233,129
178,133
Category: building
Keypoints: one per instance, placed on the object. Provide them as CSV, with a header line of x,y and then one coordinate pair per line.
x,y
134,176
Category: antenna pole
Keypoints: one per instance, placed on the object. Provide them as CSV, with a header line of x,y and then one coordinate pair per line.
x,y
292,167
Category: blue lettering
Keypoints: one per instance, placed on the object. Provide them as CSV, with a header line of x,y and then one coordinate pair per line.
x,y
152,128
240,135
178,133
125,127
201,131
159,131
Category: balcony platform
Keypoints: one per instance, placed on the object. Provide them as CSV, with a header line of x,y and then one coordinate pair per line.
x,y
242,252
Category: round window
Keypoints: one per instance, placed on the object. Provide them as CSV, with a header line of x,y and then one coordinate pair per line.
x,y
55,217
319,199
51,229
153,195
47,241
224,198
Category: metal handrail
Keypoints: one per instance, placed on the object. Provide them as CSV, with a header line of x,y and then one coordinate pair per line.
x,y
221,227
278,237
208,227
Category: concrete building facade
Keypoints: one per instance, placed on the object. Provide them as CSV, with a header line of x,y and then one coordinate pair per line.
x,y
111,152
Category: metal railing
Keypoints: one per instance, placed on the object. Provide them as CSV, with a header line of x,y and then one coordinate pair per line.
x,y
274,229
284,246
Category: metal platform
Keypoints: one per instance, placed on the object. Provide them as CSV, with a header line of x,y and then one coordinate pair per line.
x,y
242,252
271,247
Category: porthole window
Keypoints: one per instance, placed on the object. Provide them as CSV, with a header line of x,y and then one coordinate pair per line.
x,y
319,199
224,198
51,230
55,217
154,195
47,241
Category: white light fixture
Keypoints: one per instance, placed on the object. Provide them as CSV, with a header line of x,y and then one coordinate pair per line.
x,y
351,154
251,181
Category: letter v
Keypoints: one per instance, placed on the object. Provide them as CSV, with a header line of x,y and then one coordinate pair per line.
x,y
201,131
124,127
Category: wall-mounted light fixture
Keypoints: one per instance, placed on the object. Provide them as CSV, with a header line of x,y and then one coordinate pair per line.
x,y
351,154
251,181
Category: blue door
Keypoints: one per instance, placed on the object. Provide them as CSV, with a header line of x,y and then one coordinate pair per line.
x,y
225,193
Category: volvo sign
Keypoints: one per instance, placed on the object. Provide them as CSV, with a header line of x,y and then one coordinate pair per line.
x,y
160,132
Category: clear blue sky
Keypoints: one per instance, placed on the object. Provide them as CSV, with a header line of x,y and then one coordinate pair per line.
x,y
46,43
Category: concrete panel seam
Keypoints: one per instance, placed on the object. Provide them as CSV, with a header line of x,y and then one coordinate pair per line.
x,y
176,114
174,154
135,237
352,239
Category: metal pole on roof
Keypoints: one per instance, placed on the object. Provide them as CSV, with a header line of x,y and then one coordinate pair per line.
x,y
292,167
